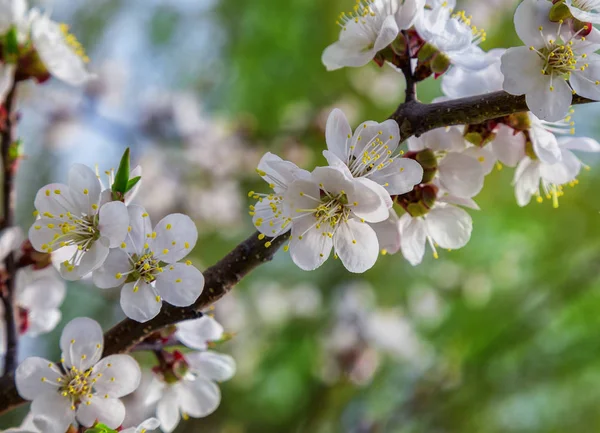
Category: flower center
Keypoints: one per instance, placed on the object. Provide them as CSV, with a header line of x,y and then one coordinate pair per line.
x,y
479,35
375,156
559,59
332,211
145,267
366,19
77,385
73,43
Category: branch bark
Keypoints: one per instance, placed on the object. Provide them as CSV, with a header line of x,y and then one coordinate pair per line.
x,y
415,118
8,290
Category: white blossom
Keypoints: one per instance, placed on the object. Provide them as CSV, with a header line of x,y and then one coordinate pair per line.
x,y
86,388
445,225
460,82
458,172
147,266
330,211
197,333
268,214
370,153
372,26
70,216
552,66
452,35
195,393
535,177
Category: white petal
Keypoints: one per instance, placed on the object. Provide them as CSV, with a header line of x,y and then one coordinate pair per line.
x,y
333,180
167,410
583,144
40,288
141,227
57,55
196,333
7,78
269,218
461,175
338,55
388,32
309,246
562,172
584,82
369,200
130,195
141,304
176,236
199,398
521,69
334,161
29,378
583,15
47,201
92,259
10,240
388,233
338,134
113,223
449,226
109,411
529,16
41,235
117,263
408,12
546,104
212,365
85,187
545,145
52,414
459,201
526,180
400,176
120,375
508,147
356,245
180,284
81,343
483,156
42,321
412,239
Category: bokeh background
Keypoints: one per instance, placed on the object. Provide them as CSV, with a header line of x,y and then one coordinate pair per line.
x,y
501,336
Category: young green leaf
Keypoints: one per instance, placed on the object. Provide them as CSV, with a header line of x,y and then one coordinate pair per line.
x,y
122,175
132,183
11,44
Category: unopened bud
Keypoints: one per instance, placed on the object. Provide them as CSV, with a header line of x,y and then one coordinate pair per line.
x,y
399,45
480,134
559,11
580,28
440,64
518,121
419,201
427,52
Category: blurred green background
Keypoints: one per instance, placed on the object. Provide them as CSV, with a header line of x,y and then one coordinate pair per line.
x,y
501,336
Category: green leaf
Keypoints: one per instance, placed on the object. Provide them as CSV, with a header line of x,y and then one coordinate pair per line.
x,y
132,183
122,176
11,43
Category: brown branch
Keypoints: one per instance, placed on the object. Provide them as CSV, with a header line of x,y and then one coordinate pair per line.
x,y
8,208
219,279
415,118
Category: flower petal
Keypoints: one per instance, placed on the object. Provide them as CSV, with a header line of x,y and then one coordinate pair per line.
x,y
113,222
92,259
338,134
449,226
212,365
180,284
388,234
140,301
508,147
550,105
400,176
116,264
521,69
52,413
199,398
117,376
48,202
412,238
84,187
141,227
109,411
529,17
36,377
461,175
356,245
309,246
176,236
167,410
369,200
81,343
196,333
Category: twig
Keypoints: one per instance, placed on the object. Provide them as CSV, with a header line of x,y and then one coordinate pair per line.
x,y
407,70
415,118
8,292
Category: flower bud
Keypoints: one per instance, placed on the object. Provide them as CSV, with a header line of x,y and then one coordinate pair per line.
x,y
580,28
480,134
427,52
440,64
518,121
419,201
559,11
400,45
428,161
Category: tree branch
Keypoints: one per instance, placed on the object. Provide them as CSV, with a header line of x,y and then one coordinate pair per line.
x,y
8,290
219,279
415,118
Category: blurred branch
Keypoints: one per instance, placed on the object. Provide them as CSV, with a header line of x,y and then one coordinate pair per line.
x,y
415,118
7,293
219,279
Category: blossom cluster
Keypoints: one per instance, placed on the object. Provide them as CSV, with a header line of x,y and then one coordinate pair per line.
x,y
375,197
